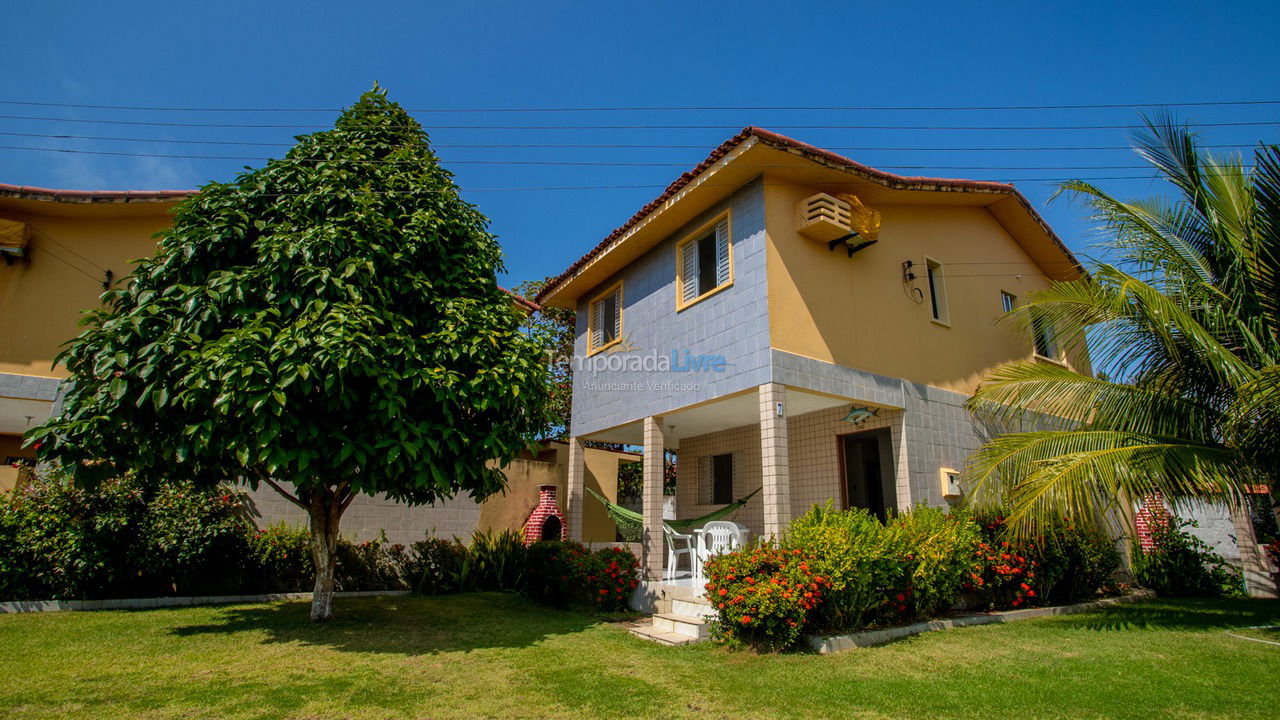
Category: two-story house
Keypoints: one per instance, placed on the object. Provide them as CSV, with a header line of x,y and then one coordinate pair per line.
x,y
789,319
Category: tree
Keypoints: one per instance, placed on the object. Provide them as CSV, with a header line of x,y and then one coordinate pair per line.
x,y
1186,322
328,325
555,327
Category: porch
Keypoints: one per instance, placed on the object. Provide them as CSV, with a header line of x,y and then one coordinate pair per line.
x,y
798,447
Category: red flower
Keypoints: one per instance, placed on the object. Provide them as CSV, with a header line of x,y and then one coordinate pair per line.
x,y
723,592
746,619
901,597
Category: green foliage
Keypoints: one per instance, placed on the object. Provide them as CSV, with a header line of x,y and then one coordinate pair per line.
x,y
914,565
764,596
438,566
1185,321
198,538
282,555
495,561
1064,564
864,564
567,574
329,322
331,317
938,549
1183,565
71,544
555,329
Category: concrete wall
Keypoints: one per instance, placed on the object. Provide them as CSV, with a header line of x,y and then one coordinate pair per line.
x,y
732,323
462,516
857,312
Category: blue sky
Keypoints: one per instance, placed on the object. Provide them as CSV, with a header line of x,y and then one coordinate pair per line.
x,y
538,55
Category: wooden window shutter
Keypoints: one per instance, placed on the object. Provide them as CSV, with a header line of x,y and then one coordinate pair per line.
x,y
689,271
722,252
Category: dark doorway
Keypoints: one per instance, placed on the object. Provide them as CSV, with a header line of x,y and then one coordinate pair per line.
x,y
866,460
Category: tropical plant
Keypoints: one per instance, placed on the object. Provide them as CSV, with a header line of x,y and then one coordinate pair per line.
x,y
1181,564
329,325
1183,324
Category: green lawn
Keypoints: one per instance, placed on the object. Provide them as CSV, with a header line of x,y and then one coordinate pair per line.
x,y
494,655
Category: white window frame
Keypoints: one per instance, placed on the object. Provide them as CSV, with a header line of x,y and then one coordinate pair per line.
x,y
595,326
1008,301
687,270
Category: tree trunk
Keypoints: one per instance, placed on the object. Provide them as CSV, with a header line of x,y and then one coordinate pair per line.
x,y
326,511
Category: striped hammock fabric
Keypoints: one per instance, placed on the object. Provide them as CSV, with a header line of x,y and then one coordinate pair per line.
x,y
631,523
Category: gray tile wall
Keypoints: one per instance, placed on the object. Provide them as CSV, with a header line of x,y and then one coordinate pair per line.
x,y
733,323
28,387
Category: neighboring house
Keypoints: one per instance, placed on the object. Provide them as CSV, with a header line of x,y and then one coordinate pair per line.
x,y
739,319
62,248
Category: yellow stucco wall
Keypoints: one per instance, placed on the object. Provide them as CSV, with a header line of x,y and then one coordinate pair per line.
x,y
42,296
510,510
857,312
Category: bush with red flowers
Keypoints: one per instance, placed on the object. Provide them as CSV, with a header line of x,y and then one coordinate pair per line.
x,y
567,574
763,596
1061,564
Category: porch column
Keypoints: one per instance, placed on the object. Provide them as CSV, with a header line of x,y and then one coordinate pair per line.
x,y
574,496
651,549
774,458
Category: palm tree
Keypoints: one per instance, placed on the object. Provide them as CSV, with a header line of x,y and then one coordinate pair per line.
x,y
1183,325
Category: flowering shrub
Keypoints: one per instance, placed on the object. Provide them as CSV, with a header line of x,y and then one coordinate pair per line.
x,y
68,543
617,569
197,538
1063,564
865,566
281,557
1181,564
764,596
565,574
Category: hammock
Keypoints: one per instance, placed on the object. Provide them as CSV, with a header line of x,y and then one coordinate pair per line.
x,y
631,523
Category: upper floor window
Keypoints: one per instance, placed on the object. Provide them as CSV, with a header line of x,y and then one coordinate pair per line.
x,y
704,263
1042,334
1007,301
937,291
605,318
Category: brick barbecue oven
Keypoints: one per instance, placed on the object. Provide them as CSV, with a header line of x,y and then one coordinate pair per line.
x,y
546,522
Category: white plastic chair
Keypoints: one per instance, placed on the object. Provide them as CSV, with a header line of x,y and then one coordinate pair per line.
x,y
717,537
674,552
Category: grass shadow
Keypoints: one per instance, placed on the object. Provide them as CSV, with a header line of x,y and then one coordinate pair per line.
x,y
1178,614
406,625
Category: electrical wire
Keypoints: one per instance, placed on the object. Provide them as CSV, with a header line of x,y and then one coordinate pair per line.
x,y
672,108
568,163
592,146
1001,128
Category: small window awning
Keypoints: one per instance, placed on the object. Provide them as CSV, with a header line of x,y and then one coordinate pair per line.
x,y
14,237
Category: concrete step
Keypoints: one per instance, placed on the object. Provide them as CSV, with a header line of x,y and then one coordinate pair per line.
x,y
692,607
686,625
653,634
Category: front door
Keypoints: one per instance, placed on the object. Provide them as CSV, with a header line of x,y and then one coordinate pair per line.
x,y
868,474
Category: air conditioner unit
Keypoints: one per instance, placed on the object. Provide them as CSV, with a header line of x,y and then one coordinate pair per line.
x,y
824,217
